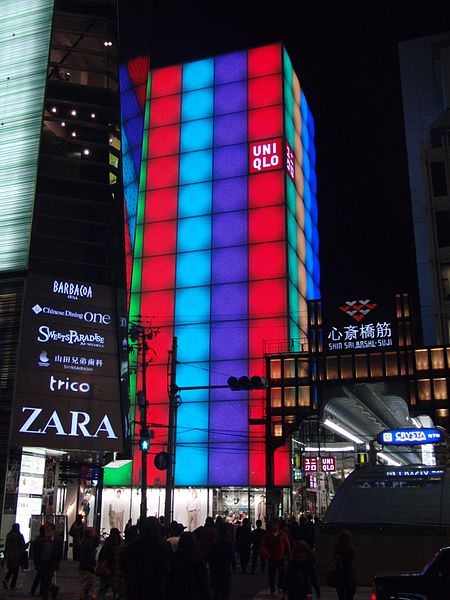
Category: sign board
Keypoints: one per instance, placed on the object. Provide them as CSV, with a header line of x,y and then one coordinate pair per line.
x,y
68,385
328,464
409,437
266,155
310,464
362,322
290,162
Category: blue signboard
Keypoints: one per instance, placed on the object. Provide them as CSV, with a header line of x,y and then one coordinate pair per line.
x,y
409,437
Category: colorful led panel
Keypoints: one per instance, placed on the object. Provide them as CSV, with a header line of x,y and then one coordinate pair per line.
x,y
226,251
25,28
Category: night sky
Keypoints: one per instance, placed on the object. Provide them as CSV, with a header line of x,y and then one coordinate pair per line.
x,y
346,56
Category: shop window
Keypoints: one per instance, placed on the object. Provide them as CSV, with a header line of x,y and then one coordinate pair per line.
x,y
361,365
391,364
437,358
303,395
424,389
289,368
289,396
422,360
442,228
440,389
445,279
275,398
376,365
302,366
275,369
438,178
332,367
346,367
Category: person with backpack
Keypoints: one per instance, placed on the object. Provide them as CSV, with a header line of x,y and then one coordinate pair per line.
x,y
301,577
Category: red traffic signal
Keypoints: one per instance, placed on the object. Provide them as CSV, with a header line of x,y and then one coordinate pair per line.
x,y
247,383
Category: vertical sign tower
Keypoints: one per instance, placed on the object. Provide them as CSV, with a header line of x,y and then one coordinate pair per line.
x,y
226,250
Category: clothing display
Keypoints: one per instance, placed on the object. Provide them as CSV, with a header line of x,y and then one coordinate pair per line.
x,y
192,508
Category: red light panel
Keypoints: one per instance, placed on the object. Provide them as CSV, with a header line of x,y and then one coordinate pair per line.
x,y
268,261
158,272
262,330
161,205
282,466
267,299
162,172
160,238
265,189
265,91
163,141
160,307
264,61
264,123
266,224
166,81
257,399
138,72
165,111
257,455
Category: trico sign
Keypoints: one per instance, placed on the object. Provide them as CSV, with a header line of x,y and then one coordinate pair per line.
x,y
409,437
266,155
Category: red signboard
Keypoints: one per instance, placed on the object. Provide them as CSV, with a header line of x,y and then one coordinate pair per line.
x,y
328,464
290,162
310,464
266,155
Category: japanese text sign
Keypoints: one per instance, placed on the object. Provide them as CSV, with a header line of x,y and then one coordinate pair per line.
x,y
310,464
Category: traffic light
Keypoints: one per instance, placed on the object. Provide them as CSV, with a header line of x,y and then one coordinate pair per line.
x,y
144,442
247,383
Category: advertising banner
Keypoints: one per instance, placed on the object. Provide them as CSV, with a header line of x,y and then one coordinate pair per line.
x,y
68,384
354,323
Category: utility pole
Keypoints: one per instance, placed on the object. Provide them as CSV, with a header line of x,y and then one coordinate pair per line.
x,y
171,438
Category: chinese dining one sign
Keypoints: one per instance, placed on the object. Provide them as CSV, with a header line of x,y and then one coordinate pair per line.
x,y
362,322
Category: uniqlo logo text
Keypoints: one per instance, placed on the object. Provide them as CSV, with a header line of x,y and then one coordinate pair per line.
x,y
265,156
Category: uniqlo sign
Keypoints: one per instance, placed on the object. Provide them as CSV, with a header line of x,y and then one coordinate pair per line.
x,y
290,162
310,464
266,156
328,464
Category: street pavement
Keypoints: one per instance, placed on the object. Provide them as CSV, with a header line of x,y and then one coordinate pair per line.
x,y
244,587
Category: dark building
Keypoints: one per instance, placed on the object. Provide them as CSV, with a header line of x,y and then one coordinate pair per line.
x,y
62,266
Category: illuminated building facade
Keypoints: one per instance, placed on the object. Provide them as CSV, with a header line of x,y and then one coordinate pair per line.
x,y
225,252
62,268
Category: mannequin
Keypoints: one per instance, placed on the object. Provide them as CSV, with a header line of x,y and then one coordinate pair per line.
x,y
261,509
116,511
192,508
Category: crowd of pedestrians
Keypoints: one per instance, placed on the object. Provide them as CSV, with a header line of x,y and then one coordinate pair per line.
x,y
154,562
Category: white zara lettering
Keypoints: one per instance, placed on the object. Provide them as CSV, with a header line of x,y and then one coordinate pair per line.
x,y
79,422
66,385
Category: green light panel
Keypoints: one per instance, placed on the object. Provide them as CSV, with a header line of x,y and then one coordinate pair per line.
x,y
25,28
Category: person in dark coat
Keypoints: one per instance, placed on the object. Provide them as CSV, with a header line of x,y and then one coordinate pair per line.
x,y
76,533
301,577
88,562
49,554
14,548
106,562
145,563
36,550
275,547
243,544
344,555
255,539
294,529
188,575
222,562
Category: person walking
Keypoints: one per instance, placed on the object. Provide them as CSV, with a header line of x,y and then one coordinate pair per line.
x,y
243,544
301,577
255,539
36,550
344,555
88,549
188,575
106,563
222,563
14,548
145,563
275,548
76,533
50,554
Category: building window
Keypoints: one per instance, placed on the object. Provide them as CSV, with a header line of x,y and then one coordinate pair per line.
x,y
391,364
438,178
437,358
302,366
440,389
289,368
443,228
275,398
275,369
303,395
422,360
289,396
424,389
346,367
445,278
361,365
